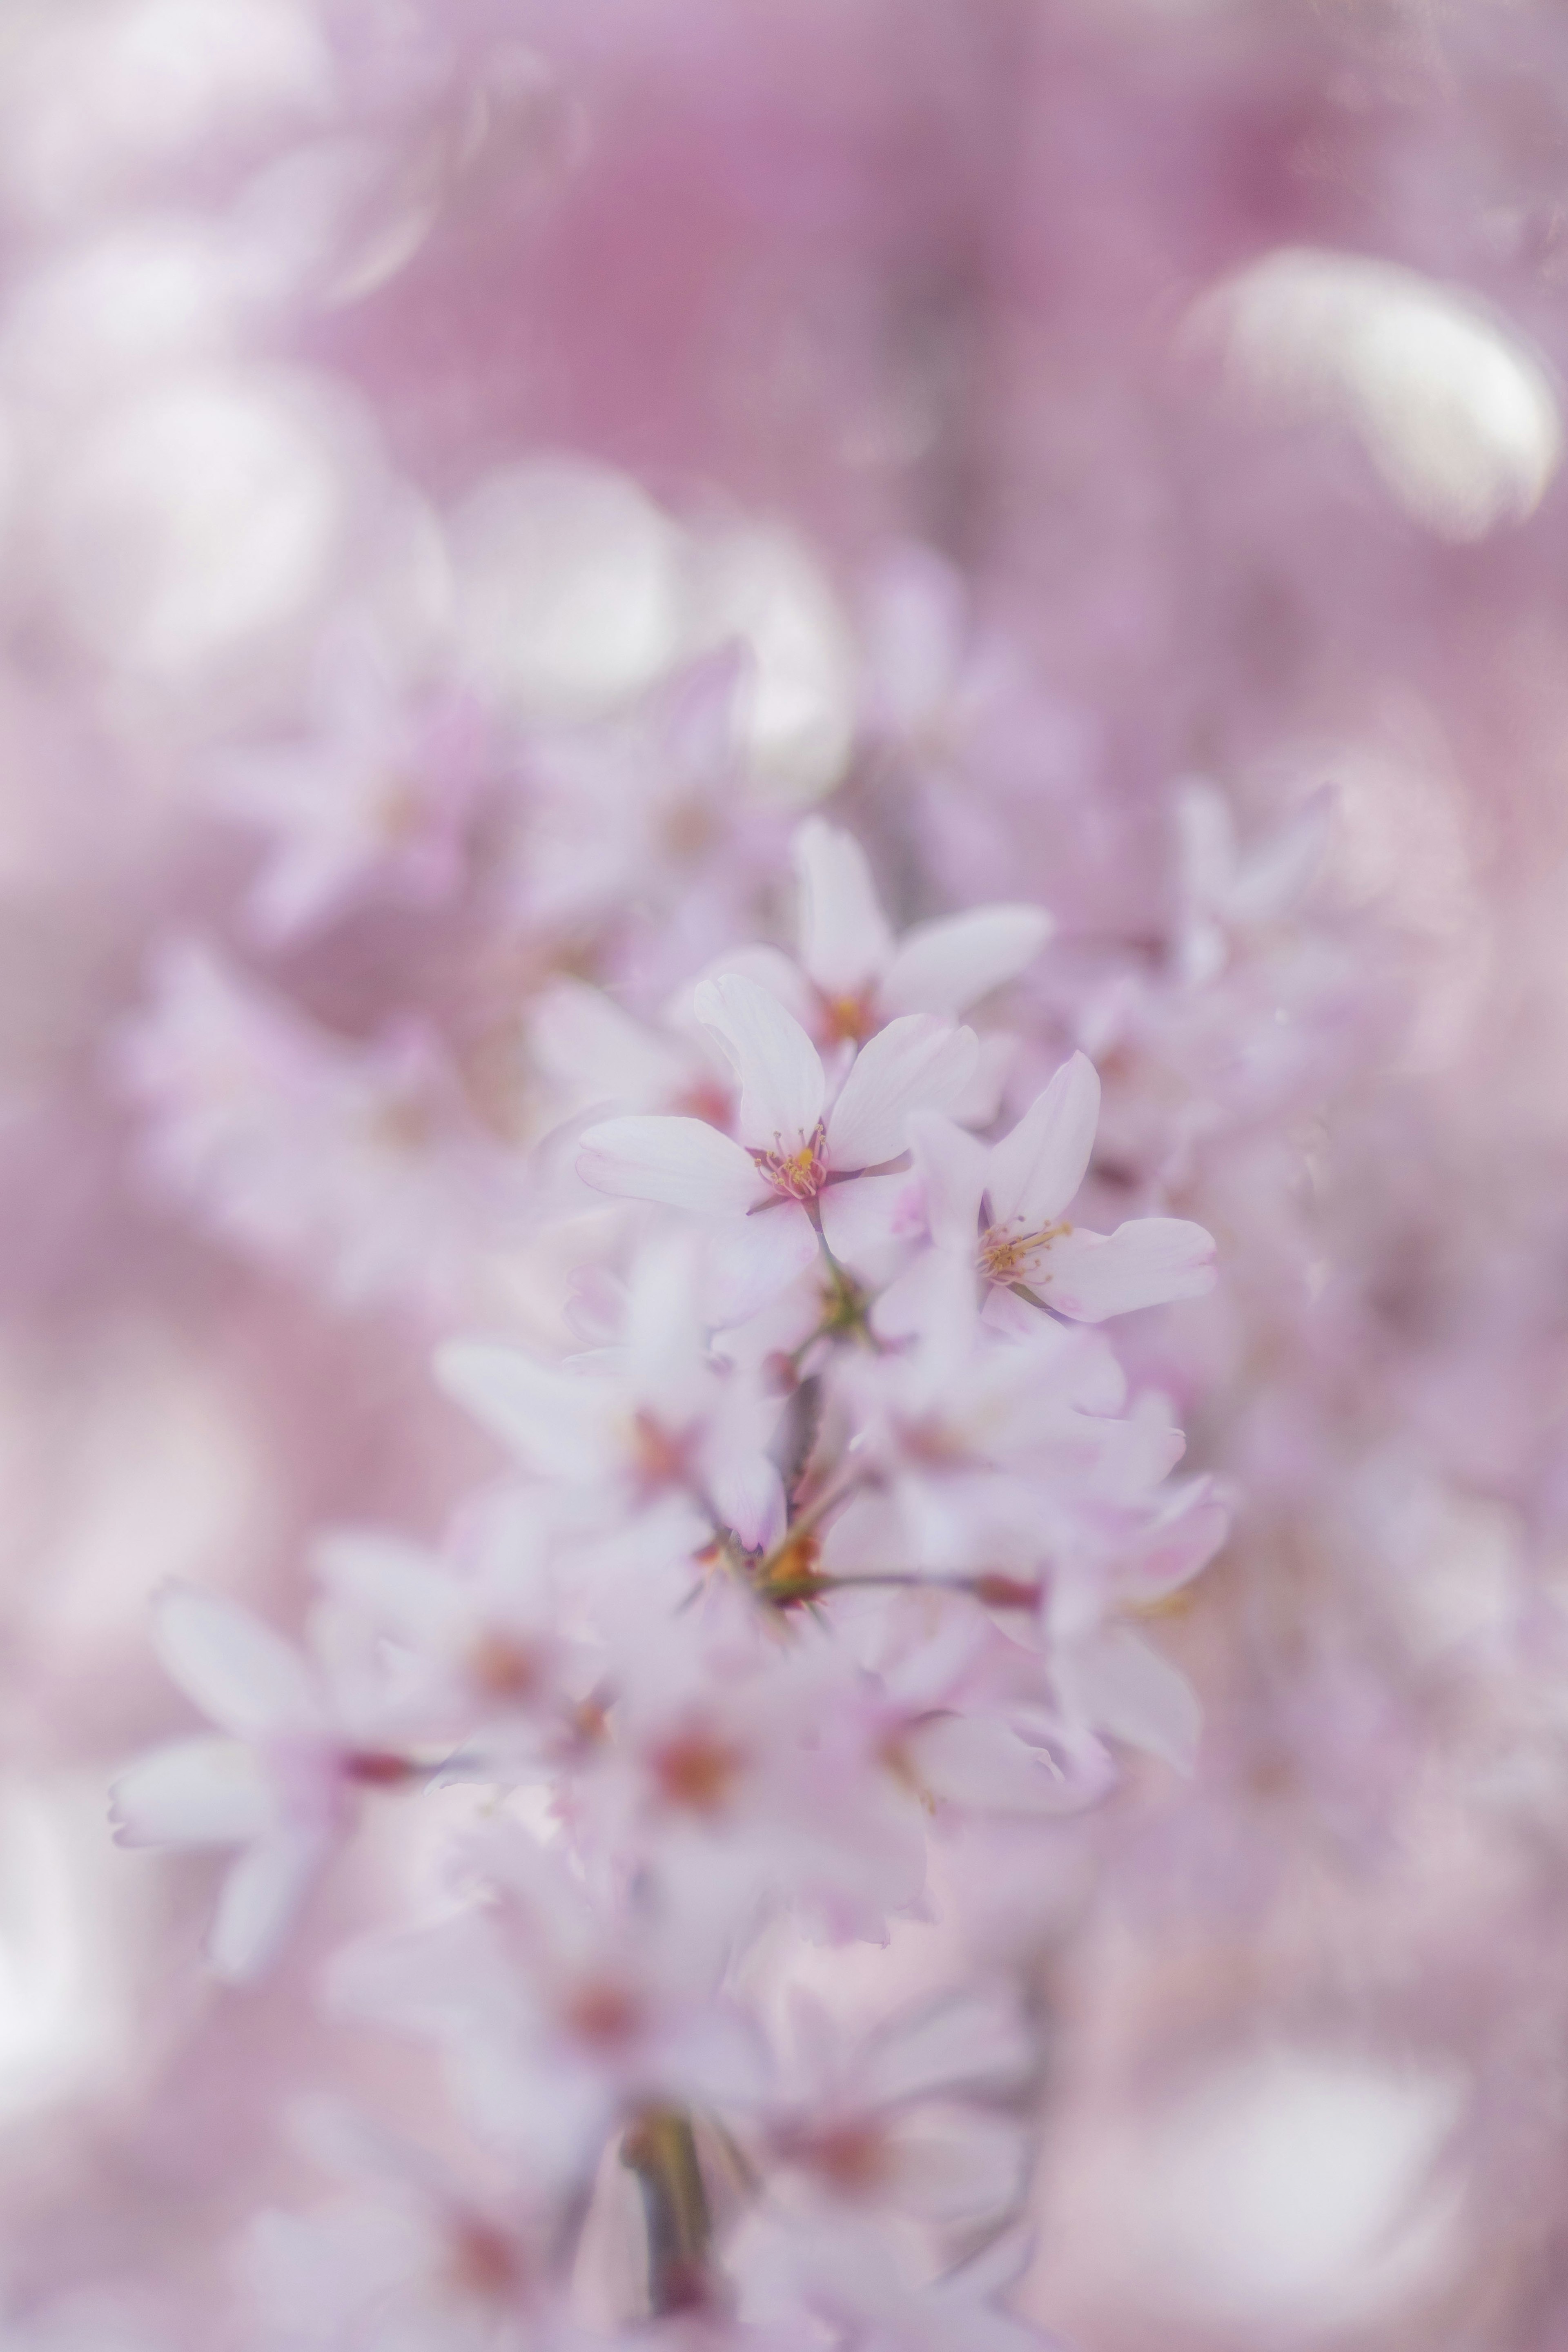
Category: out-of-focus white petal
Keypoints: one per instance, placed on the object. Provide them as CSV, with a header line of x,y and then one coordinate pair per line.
x,y
1117,1683
191,1792
933,1300
682,1162
752,1259
980,1763
260,1900
748,1495
844,940
949,964
1035,1171
1144,1263
980,1102
867,1219
234,1668
1180,1543
962,2041
771,969
395,1583
778,1068
960,2165
953,1170
545,1416
588,1044
916,1063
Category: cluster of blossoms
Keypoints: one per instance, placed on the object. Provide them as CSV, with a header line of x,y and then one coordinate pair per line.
x,y
780,834
830,1543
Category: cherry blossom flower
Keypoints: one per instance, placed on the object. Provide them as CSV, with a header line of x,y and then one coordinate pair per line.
x,y
410,2256
658,1418
562,2008
776,1188
1001,1206
892,2121
363,1161
472,1647
854,976
298,1749
376,804
854,2278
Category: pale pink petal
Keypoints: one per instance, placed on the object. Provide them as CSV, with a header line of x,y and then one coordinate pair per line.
x,y
934,1299
962,2040
771,969
960,2165
1118,1684
980,1764
234,1668
1035,1171
748,1495
948,965
1144,1263
952,1169
682,1162
778,1068
1206,842
980,1102
1180,1543
873,1215
547,1417
920,1300
1007,1314
1275,877
260,1903
583,1040
916,1063
844,940
191,1792
752,1259
395,1583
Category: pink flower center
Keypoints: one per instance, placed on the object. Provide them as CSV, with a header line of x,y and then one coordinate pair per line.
x,y
852,2157
798,1175
695,1772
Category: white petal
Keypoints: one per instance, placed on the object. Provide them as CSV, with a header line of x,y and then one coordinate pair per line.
x,y
778,1068
191,1792
588,1044
752,1259
980,1103
1206,843
749,1497
1035,1171
1181,1542
770,968
981,1763
865,1220
1117,1683
948,965
682,1162
960,2165
1276,875
234,1668
394,1582
1144,1263
261,1899
916,1063
844,937
953,1170
546,1416
922,1297
961,2041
